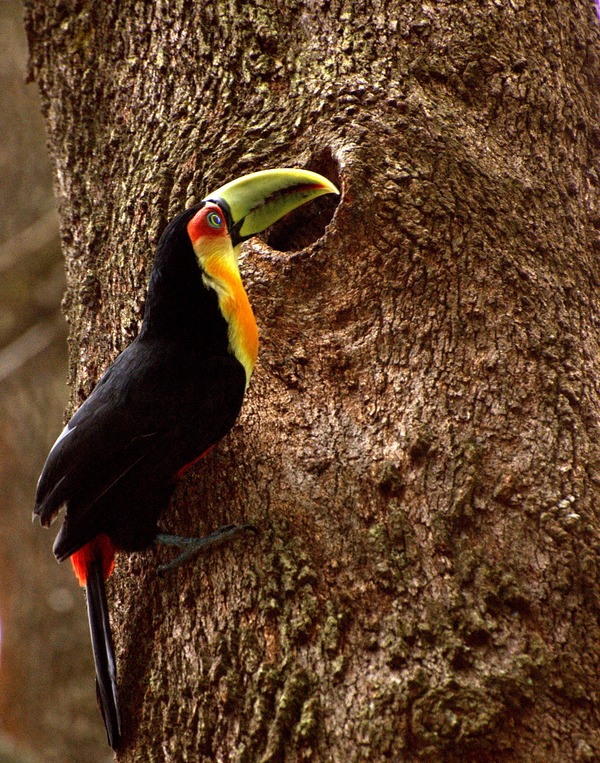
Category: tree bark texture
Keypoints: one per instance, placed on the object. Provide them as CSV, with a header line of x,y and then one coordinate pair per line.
x,y
419,444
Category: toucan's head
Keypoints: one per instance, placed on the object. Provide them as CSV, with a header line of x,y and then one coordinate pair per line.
x,y
249,205
236,212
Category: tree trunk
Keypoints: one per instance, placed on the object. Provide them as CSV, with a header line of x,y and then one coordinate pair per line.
x,y
419,444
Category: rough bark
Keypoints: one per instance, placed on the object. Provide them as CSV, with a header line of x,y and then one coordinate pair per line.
x,y
419,444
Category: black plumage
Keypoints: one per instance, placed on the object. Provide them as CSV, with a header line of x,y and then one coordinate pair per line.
x,y
174,392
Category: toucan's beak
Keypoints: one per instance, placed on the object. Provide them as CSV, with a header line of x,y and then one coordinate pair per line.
x,y
254,202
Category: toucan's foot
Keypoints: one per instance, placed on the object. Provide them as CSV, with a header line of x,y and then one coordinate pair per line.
x,y
194,546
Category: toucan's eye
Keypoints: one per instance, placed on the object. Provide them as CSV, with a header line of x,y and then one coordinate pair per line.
x,y
214,220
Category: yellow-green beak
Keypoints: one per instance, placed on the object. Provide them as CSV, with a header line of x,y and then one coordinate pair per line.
x,y
254,202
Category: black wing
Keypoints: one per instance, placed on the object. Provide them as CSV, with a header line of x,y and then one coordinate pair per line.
x,y
98,446
154,409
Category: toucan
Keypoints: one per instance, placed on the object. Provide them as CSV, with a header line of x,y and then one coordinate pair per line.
x,y
171,395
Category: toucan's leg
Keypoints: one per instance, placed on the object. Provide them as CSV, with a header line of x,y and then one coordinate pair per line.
x,y
193,546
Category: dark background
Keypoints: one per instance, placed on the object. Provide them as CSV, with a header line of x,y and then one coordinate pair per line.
x,y
47,697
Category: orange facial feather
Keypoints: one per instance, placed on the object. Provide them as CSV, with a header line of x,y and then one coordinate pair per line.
x,y
218,261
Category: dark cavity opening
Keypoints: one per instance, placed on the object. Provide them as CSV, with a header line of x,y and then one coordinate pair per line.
x,y
307,224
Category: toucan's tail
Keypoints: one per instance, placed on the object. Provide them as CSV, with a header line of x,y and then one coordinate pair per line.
x,y
102,645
